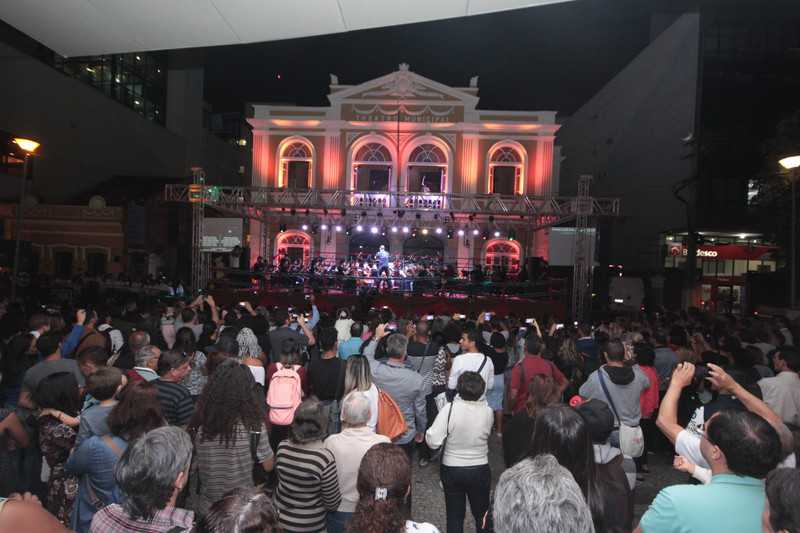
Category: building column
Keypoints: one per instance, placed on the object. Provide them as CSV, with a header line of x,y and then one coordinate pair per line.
x,y
332,163
543,168
469,164
260,178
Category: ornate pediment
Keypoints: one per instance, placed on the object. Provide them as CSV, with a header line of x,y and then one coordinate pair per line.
x,y
405,85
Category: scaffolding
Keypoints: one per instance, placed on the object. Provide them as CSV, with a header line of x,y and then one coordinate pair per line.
x,y
266,204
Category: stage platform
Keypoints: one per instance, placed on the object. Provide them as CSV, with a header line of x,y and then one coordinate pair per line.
x,y
400,303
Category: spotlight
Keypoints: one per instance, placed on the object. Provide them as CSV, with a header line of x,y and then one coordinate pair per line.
x,y
380,214
282,228
461,233
512,234
418,216
485,235
471,218
438,231
324,227
338,228
394,229
363,214
348,230
400,213
314,229
475,231
491,218
424,231
405,229
496,233
292,211
383,230
308,211
449,234
359,228
304,227
374,230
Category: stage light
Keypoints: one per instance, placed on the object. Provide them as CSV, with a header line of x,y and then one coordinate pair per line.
x,y
424,231
383,230
496,233
324,227
348,230
282,228
512,234
449,234
359,228
374,230
471,218
485,235
438,231
405,229
304,227
418,216
394,229
314,229
475,231
338,228
461,233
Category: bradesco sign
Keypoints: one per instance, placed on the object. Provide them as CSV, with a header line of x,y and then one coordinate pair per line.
x,y
723,251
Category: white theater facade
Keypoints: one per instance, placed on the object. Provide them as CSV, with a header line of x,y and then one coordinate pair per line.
x,y
406,154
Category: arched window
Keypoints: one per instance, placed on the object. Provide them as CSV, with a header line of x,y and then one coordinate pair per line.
x,y
294,245
296,163
427,169
372,168
502,254
506,174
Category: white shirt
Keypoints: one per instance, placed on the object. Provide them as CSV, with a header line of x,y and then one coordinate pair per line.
x,y
349,447
259,374
782,394
467,433
420,527
372,396
471,362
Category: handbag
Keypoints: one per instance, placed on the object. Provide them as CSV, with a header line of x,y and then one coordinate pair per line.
x,y
631,439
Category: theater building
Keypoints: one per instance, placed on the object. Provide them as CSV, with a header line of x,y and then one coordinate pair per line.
x,y
406,160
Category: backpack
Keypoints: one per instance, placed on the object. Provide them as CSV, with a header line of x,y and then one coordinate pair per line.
x,y
391,421
284,395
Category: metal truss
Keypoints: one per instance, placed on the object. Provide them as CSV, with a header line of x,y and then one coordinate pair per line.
x,y
582,262
260,203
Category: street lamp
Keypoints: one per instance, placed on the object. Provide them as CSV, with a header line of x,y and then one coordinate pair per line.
x,y
790,163
28,146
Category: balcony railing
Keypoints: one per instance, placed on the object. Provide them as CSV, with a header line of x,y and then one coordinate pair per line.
x,y
259,201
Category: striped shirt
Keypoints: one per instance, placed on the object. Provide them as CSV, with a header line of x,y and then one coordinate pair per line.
x,y
176,402
308,486
221,468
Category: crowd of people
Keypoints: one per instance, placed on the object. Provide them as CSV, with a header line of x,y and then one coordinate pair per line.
x,y
198,417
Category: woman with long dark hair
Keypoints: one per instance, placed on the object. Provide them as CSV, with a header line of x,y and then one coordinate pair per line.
x,y
137,412
542,392
227,427
384,484
58,392
562,432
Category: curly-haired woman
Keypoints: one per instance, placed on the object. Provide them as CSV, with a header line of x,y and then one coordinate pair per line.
x,y
229,419
384,484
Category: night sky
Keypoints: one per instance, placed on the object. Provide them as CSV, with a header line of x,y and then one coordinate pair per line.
x,y
551,58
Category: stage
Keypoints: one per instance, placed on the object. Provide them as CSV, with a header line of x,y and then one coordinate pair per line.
x,y
401,304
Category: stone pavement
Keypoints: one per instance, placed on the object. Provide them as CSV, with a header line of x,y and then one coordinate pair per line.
x,y
428,497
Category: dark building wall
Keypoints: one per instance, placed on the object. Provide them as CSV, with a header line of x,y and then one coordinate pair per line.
x,y
629,137
86,137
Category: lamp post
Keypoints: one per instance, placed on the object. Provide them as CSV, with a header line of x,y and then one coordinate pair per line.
x,y
28,146
791,163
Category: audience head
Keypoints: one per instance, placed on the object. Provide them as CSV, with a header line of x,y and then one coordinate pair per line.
x,y
384,482
49,344
539,495
614,351
39,322
534,344
645,354
470,339
91,359
327,339
310,422
742,442
542,391
137,339
355,409
781,512
241,511
248,344
357,375
396,345
599,420
137,412
59,391
787,359
281,317
148,356
470,386
173,366
185,341
560,431
153,470
451,334
356,329
105,383
290,352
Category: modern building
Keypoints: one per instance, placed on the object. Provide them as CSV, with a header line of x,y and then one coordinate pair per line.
x,y
408,160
